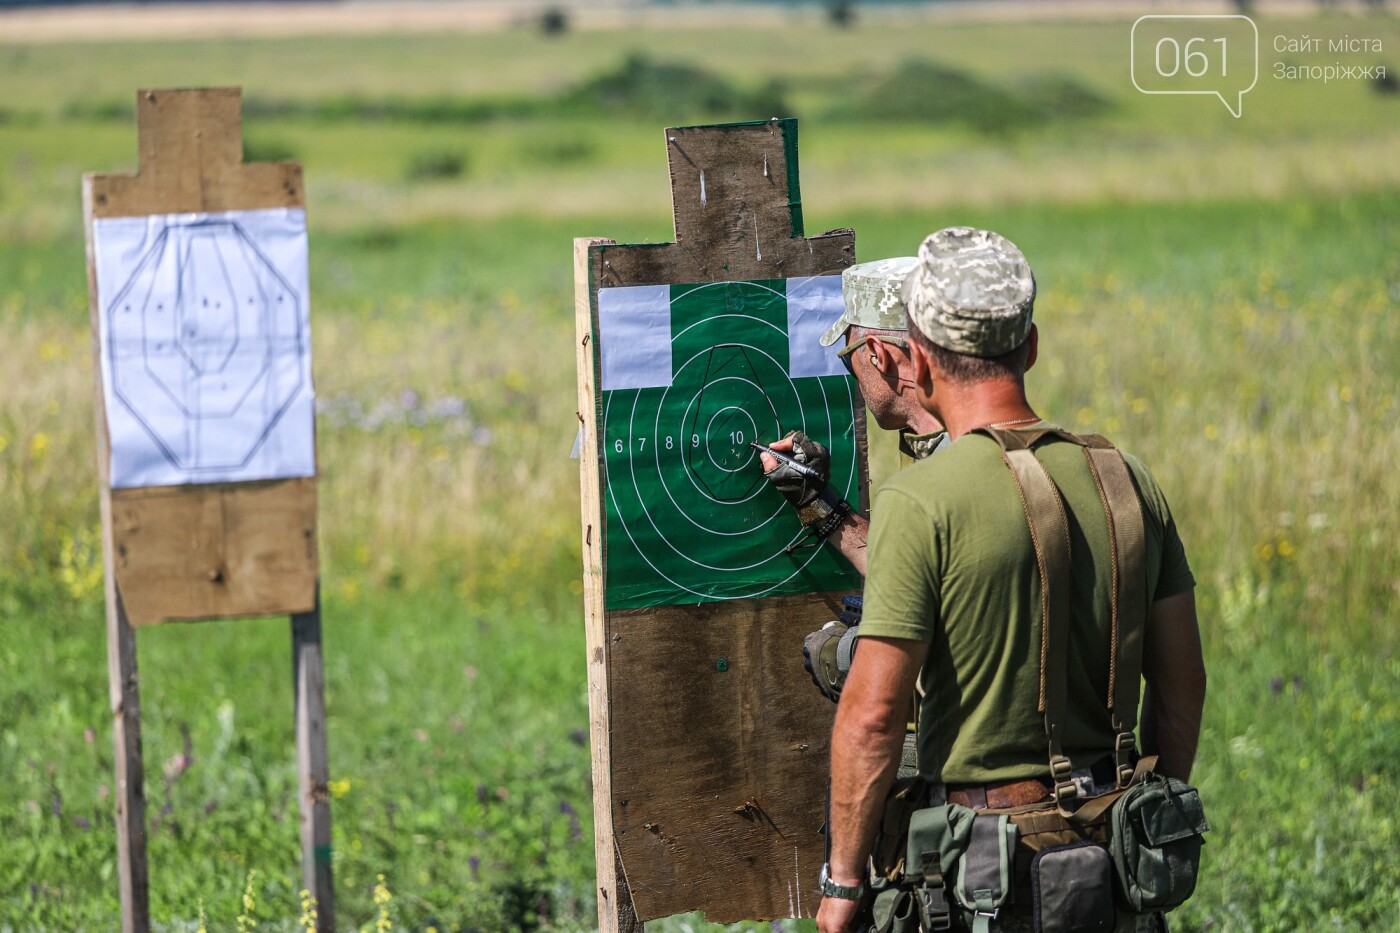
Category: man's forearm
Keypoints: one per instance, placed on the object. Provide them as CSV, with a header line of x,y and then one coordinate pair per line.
x,y
1175,696
849,538
864,760
1172,730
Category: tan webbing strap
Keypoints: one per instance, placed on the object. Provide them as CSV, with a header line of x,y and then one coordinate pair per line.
x,y
1045,514
1127,536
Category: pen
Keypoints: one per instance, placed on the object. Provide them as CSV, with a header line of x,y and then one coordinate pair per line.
x,y
802,469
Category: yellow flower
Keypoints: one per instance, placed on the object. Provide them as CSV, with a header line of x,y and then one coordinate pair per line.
x,y
339,788
38,444
1211,432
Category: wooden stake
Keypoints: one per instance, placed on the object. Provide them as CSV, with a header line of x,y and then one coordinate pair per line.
x,y
125,693
313,769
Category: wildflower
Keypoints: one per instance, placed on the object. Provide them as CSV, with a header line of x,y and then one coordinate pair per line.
x,y
308,910
38,444
248,916
339,788
382,897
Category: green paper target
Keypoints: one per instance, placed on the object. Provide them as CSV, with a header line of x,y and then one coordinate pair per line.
x,y
690,516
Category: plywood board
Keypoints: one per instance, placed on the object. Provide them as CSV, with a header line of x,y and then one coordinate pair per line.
x,y
709,741
206,551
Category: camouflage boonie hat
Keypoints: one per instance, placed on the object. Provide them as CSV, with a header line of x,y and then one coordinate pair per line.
x,y
972,292
871,293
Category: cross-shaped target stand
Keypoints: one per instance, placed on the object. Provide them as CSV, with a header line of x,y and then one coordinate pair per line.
x,y
709,742
210,551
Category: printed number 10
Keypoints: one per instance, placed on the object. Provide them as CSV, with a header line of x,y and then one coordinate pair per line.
x,y
1191,56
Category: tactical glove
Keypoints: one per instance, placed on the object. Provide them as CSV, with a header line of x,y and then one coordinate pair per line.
x,y
818,505
827,655
801,490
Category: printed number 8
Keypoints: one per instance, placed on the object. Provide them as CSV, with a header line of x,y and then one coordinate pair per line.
x,y
669,444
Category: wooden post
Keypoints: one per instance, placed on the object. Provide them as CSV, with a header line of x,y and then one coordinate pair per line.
x,y
203,551
313,768
125,693
707,794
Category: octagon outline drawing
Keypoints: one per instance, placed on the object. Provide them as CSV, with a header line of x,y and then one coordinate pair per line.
x,y
206,346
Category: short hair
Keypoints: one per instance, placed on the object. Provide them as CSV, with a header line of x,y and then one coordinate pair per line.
x,y
966,369
858,331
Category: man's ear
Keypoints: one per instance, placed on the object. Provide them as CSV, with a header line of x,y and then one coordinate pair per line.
x,y
923,371
881,355
1033,349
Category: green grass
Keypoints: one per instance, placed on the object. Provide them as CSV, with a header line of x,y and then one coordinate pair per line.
x,y
1219,296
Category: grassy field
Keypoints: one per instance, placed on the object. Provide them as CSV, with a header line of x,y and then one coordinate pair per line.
x,y
1219,296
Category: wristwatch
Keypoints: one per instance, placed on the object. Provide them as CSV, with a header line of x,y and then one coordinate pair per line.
x,y
832,889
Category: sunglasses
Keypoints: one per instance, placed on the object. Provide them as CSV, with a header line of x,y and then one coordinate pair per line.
x,y
845,357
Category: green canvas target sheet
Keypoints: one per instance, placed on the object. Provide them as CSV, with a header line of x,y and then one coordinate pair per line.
x,y
691,376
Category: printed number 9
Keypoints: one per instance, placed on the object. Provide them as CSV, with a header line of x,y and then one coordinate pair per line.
x,y
695,440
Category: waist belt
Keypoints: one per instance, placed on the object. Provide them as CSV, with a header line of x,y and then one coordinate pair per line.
x,y
1000,794
1003,794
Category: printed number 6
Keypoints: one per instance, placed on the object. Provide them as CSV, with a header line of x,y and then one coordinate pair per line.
x,y
617,445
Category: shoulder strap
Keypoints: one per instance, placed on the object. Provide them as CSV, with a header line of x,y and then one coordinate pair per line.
x,y
1049,528
1045,514
1128,539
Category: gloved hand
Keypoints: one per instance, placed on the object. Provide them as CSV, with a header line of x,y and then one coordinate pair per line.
x,y
798,489
827,654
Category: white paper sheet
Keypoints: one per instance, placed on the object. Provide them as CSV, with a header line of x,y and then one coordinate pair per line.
x,y
205,330
634,332
813,305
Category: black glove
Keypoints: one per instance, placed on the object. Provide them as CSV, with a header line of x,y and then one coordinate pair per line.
x,y
798,489
818,505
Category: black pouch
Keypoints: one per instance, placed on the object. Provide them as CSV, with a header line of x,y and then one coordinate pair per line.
x,y
1155,832
1072,889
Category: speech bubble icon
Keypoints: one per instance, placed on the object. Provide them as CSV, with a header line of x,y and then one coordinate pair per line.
x,y
1207,54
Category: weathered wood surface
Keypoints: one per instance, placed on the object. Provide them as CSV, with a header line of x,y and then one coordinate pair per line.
x,y
313,764
124,692
199,552
615,910
225,550
708,784
253,551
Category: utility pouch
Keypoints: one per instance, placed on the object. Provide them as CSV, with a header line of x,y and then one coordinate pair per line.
x,y
1155,838
1072,890
938,837
895,911
985,873
887,856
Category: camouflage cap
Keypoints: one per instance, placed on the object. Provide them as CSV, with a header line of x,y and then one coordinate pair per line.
x,y
972,292
872,297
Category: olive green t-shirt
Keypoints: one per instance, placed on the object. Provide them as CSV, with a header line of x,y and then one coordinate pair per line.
x,y
951,562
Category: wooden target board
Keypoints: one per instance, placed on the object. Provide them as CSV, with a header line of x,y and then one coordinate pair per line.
x,y
710,744
205,428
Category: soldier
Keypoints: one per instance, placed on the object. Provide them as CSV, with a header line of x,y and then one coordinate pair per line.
x,y
877,355
954,581
875,327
